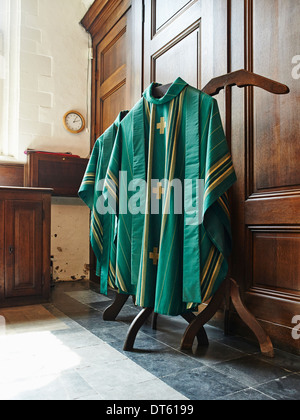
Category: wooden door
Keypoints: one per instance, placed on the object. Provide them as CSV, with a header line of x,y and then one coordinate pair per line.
x,y
266,149
23,248
111,76
186,38
116,30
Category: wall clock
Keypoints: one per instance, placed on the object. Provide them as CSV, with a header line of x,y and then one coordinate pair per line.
x,y
74,122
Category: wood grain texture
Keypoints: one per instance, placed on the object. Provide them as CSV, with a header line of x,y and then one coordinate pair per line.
x,y
11,175
24,246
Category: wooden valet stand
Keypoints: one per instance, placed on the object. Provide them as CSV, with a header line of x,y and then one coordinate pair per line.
x,y
229,291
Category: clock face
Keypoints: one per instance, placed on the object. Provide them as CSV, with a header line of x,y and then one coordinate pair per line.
x,y
74,122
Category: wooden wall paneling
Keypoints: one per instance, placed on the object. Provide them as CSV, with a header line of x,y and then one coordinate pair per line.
x,y
266,205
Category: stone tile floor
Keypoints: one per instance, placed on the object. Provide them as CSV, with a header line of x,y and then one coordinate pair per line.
x,y
64,350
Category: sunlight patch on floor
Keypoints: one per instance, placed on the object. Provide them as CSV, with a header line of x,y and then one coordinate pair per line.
x,y
31,361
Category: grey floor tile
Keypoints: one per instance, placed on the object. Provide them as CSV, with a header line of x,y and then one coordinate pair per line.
x,y
164,363
203,383
251,371
286,388
248,394
284,360
216,353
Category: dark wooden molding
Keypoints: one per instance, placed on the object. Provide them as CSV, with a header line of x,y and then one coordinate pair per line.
x,y
102,15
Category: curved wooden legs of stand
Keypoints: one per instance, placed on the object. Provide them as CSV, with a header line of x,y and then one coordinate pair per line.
x,y
135,327
142,318
205,316
111,313
202,319
265,343
201,335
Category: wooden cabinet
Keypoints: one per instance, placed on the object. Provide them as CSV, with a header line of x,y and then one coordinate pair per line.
x,y
25,219
62,173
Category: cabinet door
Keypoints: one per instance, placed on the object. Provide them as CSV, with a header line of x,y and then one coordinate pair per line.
x,y
23,248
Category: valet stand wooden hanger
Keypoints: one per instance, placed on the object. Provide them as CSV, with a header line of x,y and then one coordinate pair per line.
x,y
229,291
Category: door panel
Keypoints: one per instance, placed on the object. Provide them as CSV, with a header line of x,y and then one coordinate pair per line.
x,y
172,61
174,50
165,10
23,253
186,39
111,76
276,138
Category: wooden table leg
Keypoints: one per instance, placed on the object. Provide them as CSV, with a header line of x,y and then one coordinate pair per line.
x,y
135,327
111,313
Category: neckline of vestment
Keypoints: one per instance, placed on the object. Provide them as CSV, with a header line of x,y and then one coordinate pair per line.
x,y
175,89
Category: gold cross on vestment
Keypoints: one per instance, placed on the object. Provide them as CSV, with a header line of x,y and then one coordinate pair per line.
x,y
162,126
159,191
154,256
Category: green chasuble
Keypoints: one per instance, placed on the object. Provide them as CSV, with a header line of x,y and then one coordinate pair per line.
x,y
174,238
103,226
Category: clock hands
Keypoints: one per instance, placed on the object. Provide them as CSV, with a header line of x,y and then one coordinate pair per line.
x,y
74,122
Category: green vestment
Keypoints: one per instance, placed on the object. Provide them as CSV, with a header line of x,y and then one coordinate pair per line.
x,y
103,226
169,262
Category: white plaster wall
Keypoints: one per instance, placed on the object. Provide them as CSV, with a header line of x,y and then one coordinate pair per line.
x,y
54,78
54,71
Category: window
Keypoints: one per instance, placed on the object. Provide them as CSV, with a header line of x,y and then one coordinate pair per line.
x,y
10,24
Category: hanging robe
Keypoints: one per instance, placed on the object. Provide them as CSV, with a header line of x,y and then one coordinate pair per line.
x,y
103,226
168,260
